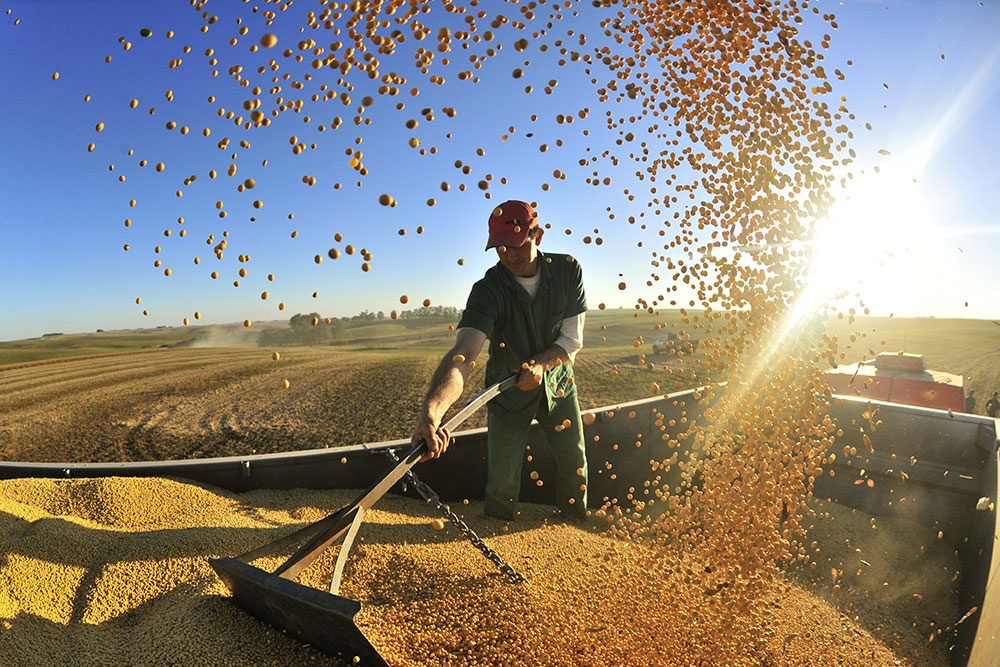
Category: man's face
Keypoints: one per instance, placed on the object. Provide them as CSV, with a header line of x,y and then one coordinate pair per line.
x,y
522,261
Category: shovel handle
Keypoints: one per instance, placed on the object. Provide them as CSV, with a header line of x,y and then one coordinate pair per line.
x,y
326,531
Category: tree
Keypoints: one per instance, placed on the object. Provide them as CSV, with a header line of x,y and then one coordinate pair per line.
x,y
300,321
302,331
431,312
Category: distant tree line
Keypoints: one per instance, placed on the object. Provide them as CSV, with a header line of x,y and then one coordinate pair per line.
x,y
302,330
431,313
366,316
422,313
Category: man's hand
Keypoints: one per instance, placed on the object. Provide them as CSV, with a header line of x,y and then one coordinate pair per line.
x,y
435,435
530,376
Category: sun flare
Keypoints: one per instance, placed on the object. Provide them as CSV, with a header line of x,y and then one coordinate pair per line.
x,y
871,244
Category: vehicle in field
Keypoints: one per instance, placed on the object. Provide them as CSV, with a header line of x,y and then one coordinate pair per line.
x,y
679,342
899,378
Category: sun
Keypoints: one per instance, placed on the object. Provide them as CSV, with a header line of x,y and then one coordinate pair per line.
x,y
873,248
870,245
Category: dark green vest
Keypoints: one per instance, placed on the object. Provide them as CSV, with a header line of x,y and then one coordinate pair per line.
x,y
519,327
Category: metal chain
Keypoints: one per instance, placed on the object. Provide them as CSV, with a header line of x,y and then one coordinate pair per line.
x,y
430,495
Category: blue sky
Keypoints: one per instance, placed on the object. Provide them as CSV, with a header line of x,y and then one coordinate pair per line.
x,y
62,210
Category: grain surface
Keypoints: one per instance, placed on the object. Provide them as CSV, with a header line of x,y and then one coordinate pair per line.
x,y
115,571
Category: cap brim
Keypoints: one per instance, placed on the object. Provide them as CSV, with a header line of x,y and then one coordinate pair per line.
x,y
513,239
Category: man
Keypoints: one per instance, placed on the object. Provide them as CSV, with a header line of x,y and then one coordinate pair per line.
x,y
531,306
970,403
993,406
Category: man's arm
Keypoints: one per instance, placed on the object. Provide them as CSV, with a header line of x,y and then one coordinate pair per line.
x,y
563,351
447,385
533,370
571,335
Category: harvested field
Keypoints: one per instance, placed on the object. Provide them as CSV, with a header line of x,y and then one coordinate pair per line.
x,y
93,564
175,403
162,404
170,404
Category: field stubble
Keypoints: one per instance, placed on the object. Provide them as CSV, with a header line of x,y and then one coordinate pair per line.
x,y
172,404
158,404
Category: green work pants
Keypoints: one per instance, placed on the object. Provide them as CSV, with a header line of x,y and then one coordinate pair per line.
x,y
506,443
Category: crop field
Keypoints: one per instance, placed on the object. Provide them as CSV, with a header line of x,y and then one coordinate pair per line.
x,y
129,396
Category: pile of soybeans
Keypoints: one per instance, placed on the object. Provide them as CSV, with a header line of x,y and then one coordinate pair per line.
x,y
115,571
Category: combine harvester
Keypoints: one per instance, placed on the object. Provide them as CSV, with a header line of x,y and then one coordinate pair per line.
x,y
952,462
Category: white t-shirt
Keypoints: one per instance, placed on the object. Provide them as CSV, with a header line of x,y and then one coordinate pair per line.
x,y
530,285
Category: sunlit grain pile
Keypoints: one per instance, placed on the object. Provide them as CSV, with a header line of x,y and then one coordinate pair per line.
x,y
115,571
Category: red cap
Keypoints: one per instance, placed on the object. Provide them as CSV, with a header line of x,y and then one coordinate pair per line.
x,y
510,222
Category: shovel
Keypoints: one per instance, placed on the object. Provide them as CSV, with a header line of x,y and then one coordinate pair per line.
x,y
321,619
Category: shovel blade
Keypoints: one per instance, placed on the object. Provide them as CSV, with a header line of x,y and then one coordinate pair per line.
x,y
315,617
